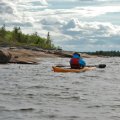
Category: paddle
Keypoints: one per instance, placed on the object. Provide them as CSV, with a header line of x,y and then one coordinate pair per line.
x,y
98,66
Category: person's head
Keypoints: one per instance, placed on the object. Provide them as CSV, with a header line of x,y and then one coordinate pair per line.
x,y
76,55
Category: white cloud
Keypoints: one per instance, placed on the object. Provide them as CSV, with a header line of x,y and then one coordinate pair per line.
x,y
96,11
69,28
75,34
55,20
7,7
85,12
89,34
74,0
32,2
92,28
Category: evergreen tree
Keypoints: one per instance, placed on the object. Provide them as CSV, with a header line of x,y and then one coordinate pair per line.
x,y
16,37
3,31
48,41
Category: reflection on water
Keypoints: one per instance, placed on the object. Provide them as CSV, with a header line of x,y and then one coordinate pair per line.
x,y
35,92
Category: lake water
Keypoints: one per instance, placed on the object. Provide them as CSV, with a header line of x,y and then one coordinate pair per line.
x,y
35,92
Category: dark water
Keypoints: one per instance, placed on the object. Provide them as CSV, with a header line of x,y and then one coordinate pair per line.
x,y
34,92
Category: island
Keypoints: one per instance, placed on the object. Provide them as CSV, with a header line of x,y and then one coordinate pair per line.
x,y
20,48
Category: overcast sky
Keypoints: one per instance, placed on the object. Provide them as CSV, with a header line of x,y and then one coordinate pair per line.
x,y
78,25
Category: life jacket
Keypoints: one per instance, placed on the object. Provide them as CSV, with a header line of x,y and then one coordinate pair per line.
x,y
74,63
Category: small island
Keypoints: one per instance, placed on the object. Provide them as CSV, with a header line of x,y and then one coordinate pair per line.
x,y
17,47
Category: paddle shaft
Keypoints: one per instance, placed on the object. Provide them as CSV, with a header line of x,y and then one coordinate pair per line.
x,y
98,66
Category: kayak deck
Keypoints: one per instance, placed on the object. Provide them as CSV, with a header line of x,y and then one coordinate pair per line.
x,y
61,69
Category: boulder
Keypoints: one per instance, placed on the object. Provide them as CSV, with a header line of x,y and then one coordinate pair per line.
x,y
23,60
5,56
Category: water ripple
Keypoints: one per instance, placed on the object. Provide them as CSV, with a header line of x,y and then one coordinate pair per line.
x,y
35,92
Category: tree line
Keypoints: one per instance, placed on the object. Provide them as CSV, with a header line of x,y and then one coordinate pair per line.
x,y
17,38
105,53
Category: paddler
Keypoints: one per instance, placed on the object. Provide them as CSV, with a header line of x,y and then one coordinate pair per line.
x,y
77,62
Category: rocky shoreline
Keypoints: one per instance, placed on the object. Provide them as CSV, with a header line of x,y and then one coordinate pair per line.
x,y
29,55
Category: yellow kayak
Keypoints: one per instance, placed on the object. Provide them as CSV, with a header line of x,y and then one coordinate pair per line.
x,y
62,69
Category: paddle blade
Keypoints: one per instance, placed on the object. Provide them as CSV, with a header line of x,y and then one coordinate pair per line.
x,y
101,66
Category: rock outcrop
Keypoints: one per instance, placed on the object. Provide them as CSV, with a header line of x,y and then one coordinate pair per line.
x,y
5,56
29,55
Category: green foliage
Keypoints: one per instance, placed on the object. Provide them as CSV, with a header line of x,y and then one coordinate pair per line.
x,y
106,53
17,38
2,32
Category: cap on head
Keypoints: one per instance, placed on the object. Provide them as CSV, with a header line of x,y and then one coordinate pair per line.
x,y
76,53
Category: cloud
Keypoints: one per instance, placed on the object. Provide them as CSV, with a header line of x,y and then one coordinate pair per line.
x,y
32,2
75,34
55,20
73,24
7,7
84,12
17,13
80,34
63,1
97,28
37,2
96,11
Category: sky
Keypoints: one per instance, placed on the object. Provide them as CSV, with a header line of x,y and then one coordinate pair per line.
x,y
75,25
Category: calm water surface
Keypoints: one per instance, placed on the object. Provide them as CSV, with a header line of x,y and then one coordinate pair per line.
x,y
35,92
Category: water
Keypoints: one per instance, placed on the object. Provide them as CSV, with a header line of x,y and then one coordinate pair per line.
x,y
35,92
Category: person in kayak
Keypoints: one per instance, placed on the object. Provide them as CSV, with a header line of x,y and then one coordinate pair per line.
x,y
77,62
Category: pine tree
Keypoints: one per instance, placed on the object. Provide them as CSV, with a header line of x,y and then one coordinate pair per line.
x,y
48,41
3,31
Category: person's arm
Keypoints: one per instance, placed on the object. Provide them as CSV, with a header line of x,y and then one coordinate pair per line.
x,y
82,63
